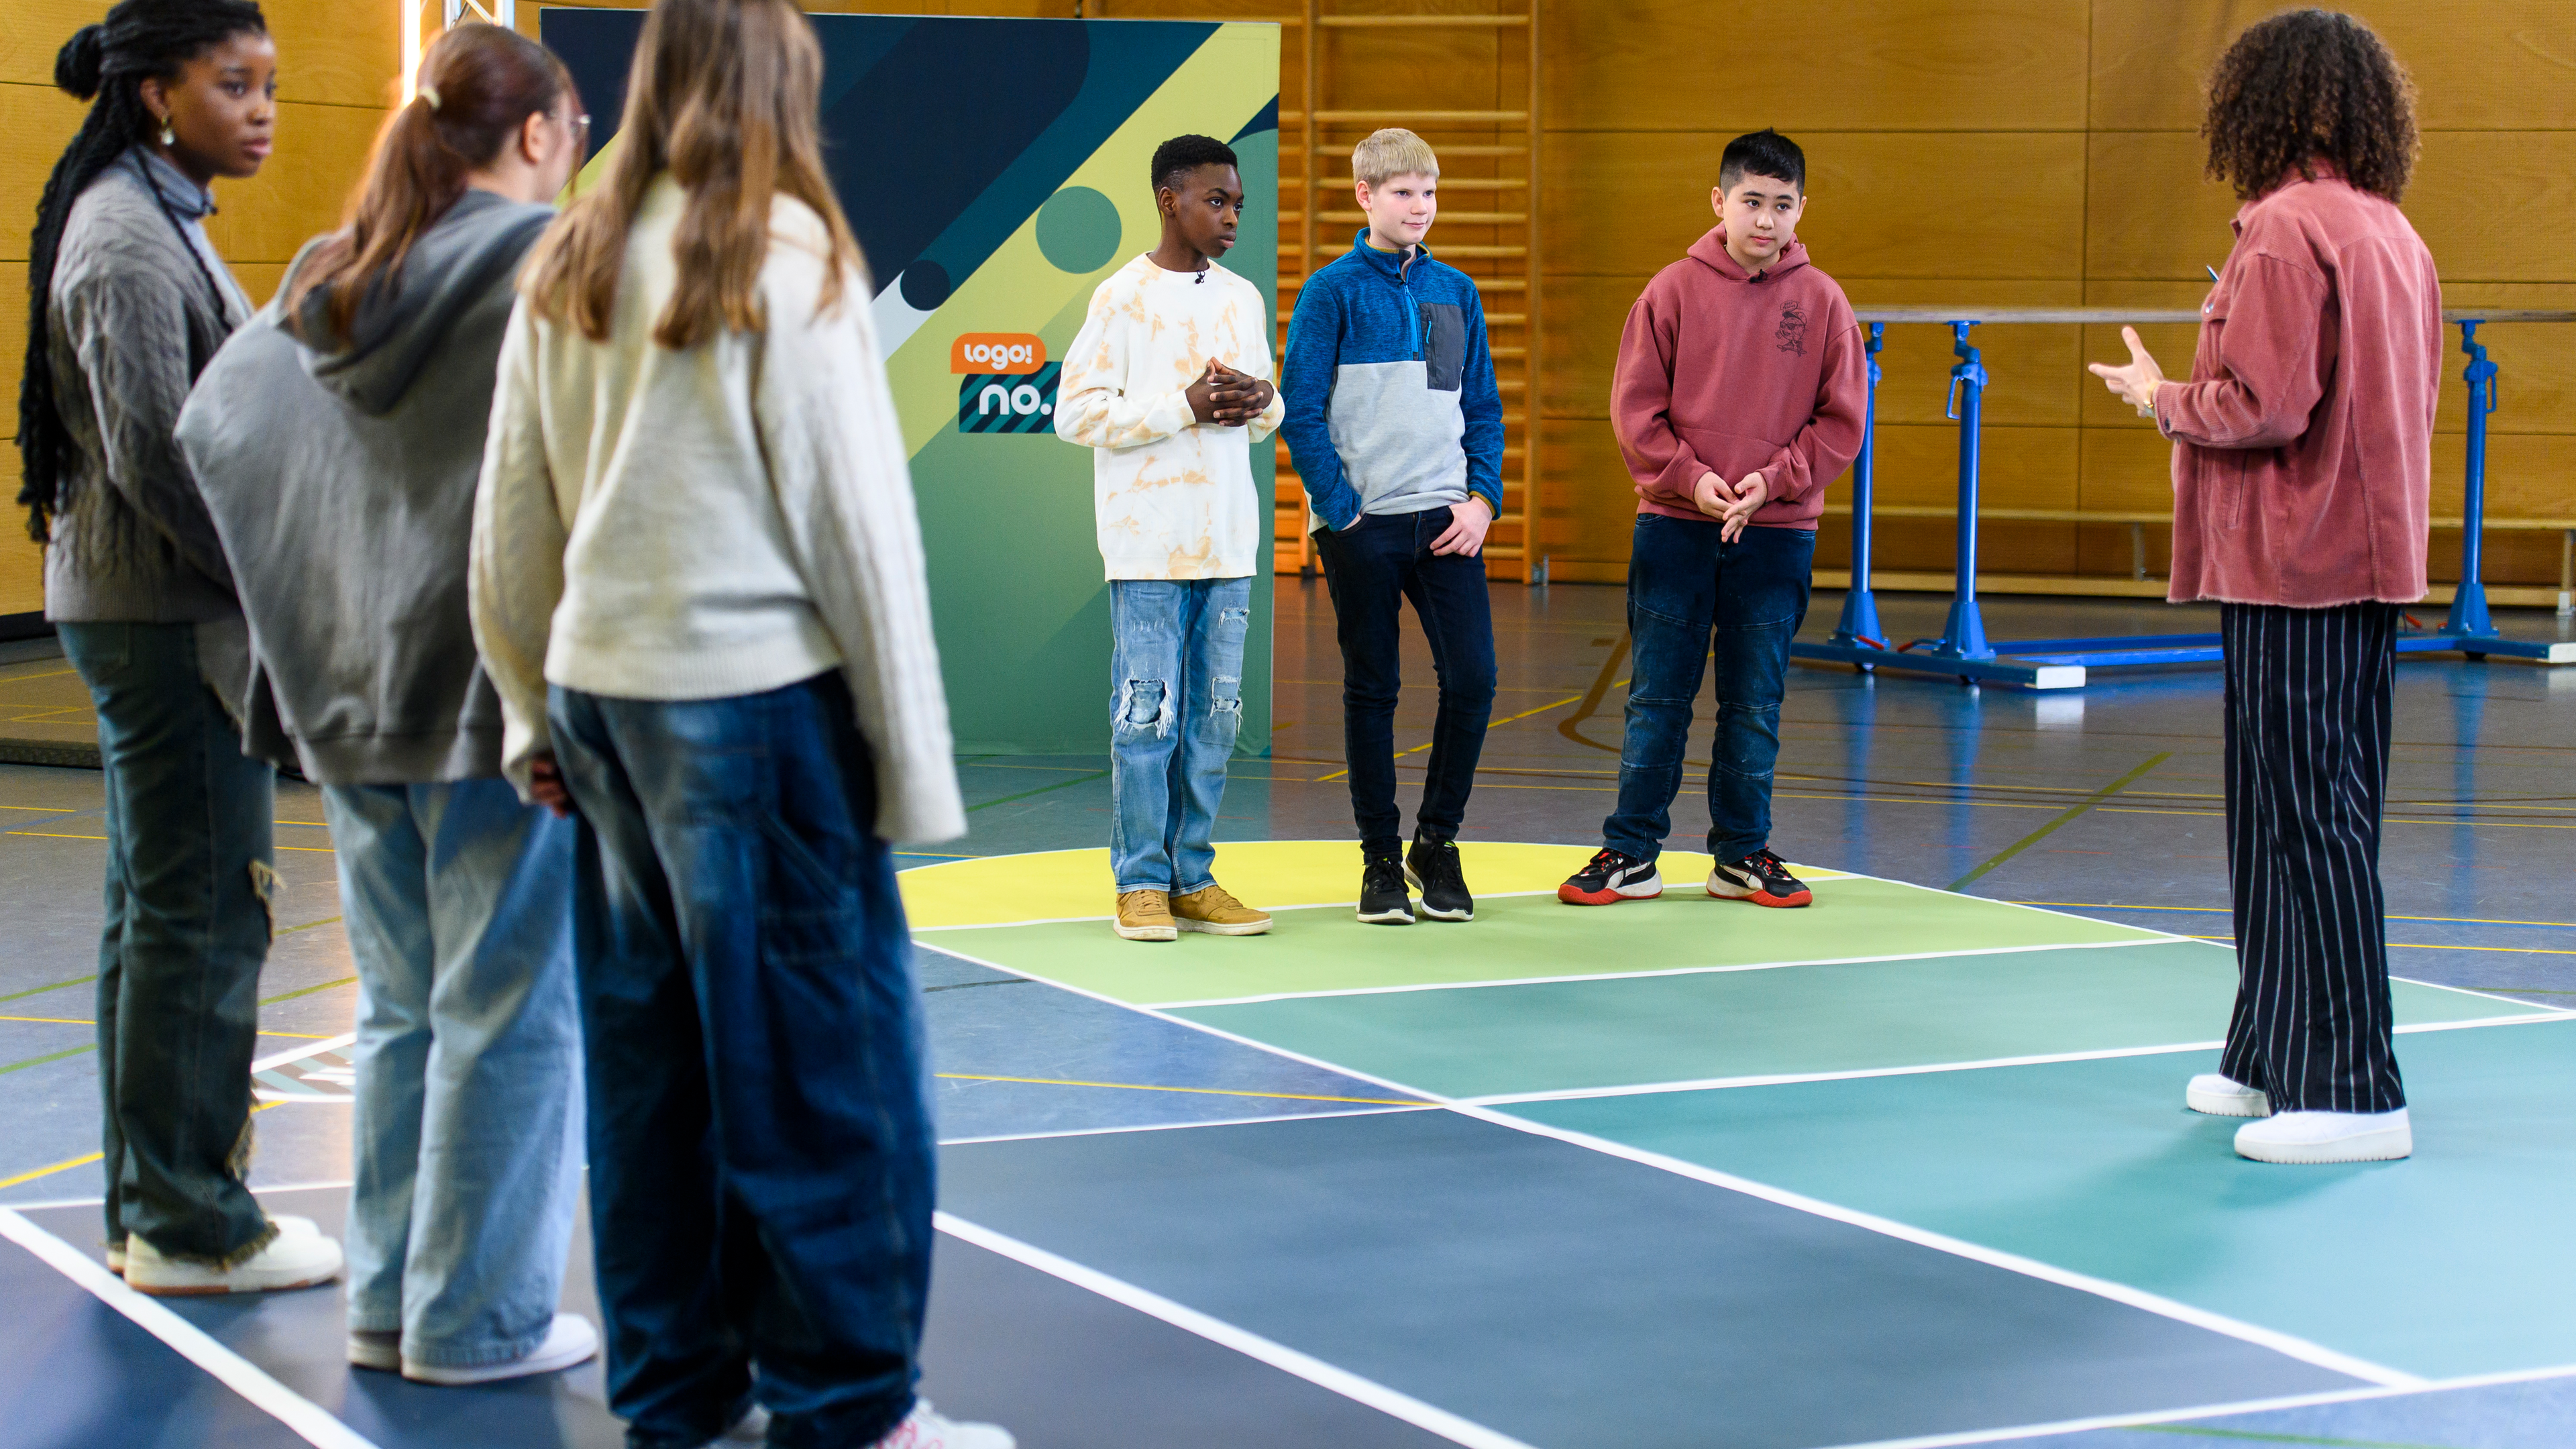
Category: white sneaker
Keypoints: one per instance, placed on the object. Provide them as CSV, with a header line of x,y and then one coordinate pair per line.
x,y
572,1340
926,1428
2218,1096
2327,1137
116,1257
379,1349
298,1257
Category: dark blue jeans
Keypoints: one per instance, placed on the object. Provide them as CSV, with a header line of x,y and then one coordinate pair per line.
x,y
760,1141
1372,567
1685,586
188,883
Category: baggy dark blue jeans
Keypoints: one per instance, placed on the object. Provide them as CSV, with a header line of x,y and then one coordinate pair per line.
x,y
760,1141
1372,568
189,876
1686,587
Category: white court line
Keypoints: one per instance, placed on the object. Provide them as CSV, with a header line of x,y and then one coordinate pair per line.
x,y
2482,995
1177,1126
1783,1079
1313,1370
309,1049
2282,1343
2209,1411
309,1421
2122,1293
1641,975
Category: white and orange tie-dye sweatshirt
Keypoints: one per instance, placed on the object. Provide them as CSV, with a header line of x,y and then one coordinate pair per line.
x,y
1175,498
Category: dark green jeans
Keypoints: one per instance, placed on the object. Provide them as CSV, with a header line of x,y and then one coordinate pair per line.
x,y
188,880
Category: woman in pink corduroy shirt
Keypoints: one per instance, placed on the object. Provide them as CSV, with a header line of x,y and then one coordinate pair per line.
x,y
2302,464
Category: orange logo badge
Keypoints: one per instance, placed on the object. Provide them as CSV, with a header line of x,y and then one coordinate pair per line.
x,y
997,353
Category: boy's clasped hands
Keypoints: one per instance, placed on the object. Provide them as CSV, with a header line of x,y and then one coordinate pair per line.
x,y
1227,398
1734,506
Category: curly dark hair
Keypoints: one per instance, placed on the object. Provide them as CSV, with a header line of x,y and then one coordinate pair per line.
x,y
2310,86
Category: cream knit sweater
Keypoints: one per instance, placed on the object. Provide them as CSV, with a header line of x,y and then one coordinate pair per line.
x,y
694,525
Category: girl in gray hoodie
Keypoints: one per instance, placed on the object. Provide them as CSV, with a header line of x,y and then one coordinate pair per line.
x,y
127,300
336,441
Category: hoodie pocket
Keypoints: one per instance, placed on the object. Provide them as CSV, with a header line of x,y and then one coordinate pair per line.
x,y
1729,455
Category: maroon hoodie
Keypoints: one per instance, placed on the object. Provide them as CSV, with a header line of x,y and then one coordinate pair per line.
x,y
1722,372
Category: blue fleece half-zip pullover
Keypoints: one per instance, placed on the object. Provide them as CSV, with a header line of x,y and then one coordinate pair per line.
x,y
1390,389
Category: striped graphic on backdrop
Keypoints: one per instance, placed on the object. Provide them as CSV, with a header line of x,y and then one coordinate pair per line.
x,y
1008,402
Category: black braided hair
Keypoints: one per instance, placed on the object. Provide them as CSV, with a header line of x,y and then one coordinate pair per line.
x,y
106,64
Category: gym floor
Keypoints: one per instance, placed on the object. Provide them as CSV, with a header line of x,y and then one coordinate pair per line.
x,y
1908,1167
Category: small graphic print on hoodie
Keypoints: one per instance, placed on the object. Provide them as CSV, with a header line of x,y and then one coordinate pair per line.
x,y
1792,331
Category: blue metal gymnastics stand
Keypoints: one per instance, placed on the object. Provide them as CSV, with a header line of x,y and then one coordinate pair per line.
x,y
1963,649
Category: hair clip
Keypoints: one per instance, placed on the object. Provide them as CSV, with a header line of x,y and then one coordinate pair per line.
x,y
430,94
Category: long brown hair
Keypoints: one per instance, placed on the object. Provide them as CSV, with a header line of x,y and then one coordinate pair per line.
x,y
2304,87
478,86
725,95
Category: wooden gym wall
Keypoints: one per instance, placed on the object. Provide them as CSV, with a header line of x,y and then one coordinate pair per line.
x,y
2035,152
2022,152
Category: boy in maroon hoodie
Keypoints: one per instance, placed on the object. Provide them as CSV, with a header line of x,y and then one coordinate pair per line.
x,y
1739,396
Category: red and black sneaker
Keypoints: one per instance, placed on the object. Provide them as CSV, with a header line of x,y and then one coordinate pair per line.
x,y
1610,879
1762,878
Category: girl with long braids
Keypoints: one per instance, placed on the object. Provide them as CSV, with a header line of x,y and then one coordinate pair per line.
x,y
337,440
127,302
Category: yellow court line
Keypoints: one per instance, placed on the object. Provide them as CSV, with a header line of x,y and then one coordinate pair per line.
x,y
68,1164
43,809
64,1166
2392,819
1490,724
48,674
1145,1087
60,835
70,1021
2222,910
2437,946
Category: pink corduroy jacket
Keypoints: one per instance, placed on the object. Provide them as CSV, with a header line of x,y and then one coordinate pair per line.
x,y
2303,444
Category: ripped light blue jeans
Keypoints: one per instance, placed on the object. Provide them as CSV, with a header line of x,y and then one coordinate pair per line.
x,y
1175,706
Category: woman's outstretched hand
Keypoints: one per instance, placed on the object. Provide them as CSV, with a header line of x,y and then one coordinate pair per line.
x,y
2136,383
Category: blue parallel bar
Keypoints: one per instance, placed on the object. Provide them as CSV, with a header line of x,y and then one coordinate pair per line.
x,y
1859,623
1963,649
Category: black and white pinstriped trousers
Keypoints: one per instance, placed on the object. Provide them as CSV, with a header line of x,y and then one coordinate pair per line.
x,y
2308,700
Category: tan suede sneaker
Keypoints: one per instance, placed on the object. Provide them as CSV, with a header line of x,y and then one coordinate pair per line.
x,y
1146,916
1216,911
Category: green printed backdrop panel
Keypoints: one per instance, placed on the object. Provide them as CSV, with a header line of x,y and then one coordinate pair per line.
x,y
995,171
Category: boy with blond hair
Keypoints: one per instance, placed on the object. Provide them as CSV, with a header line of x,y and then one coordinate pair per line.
x,y
1168,384
1396,427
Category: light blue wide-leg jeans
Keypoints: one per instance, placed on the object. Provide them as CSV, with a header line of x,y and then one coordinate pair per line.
x,y
458,902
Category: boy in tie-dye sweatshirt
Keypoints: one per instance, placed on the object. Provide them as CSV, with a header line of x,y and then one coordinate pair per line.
x,y
1169,384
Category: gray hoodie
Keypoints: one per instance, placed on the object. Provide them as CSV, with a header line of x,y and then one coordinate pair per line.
x,y
341,478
